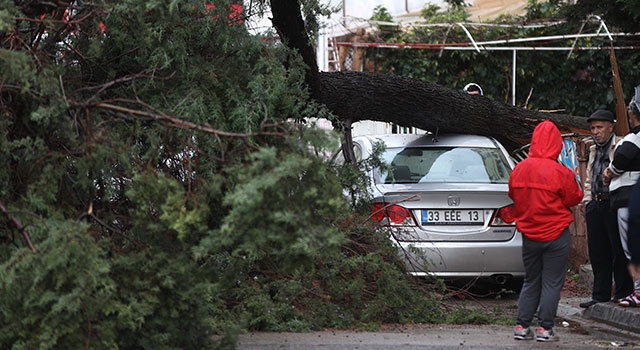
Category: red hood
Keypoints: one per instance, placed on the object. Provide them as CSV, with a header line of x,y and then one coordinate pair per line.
x,y
546,141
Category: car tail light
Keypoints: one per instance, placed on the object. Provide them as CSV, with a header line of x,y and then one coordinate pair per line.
x,y
505,216
391,214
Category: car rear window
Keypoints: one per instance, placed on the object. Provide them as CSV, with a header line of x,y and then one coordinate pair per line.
x,y
444,164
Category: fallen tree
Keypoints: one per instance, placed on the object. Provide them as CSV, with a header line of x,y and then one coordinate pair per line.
x,y
356,96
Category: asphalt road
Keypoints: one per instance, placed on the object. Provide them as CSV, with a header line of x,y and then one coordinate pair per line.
x,y
574,331
434,337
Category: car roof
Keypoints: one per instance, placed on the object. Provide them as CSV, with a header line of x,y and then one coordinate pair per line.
x,y
422,140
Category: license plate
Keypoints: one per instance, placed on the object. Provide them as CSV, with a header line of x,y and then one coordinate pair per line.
x,y
453,217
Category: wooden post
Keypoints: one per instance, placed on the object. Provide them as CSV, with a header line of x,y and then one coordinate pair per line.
x,y
622,119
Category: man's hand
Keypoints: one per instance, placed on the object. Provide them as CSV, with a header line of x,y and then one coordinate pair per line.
x,y
607,175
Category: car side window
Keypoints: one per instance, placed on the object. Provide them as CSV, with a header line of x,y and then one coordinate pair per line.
x,y
498,166
338,157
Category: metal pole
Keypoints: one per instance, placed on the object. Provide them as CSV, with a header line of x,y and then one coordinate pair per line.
x,y
477,48
470,37
513,80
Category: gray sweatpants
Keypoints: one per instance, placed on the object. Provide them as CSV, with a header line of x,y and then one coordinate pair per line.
x,y
545,265
623,228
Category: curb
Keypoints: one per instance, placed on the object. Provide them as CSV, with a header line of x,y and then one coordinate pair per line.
x,y
603,318
618,316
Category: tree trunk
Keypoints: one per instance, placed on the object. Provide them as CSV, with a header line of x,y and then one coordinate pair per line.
x,y
288,22
428,106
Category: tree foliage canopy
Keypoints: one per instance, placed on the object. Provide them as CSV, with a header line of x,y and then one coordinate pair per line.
x,y
159,186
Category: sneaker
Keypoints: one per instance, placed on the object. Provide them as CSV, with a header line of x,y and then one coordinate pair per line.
x,y
522,333
545,335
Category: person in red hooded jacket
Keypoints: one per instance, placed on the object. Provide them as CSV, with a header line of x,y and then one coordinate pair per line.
x,y
543,191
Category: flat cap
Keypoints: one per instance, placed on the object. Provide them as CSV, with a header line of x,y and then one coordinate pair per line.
x,y
602,114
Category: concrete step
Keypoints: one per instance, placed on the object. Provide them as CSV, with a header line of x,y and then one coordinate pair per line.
x,y
626,318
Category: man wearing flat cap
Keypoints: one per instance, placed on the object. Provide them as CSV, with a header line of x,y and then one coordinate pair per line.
x,y
605,249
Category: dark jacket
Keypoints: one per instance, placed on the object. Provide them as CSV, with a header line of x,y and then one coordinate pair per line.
x,y
592,157
626,166
542,189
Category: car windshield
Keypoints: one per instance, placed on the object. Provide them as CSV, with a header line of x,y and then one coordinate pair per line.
x,y
443,164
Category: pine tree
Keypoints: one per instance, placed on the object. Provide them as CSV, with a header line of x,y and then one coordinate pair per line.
x,y
159,187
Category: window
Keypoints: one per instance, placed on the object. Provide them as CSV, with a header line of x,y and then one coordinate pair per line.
x,y
338,158
444,164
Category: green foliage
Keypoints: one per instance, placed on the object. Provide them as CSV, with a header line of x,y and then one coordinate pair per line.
x,y
380,13
16,69
355,178
385,31
263,205
618,14
173,195
61,294
162,173
575,84
432,14
6,17
360,285
311,11
542,10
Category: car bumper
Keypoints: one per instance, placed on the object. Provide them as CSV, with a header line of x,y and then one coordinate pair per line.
x,y
464,259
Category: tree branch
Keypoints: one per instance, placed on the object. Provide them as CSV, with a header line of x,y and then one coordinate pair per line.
x,y
181,124
16,223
